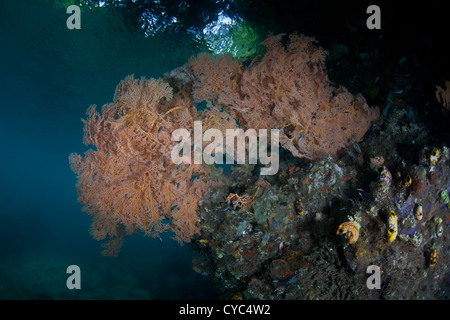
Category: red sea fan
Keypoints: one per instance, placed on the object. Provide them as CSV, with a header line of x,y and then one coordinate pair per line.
x,y
291,85
128,183
287,89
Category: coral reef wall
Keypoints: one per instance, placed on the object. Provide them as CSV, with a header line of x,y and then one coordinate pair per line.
x,y
129,182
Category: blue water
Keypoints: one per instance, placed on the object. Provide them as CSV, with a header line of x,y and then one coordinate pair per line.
x,y
49,76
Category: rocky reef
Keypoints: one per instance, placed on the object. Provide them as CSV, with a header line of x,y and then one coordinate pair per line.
x,y
312,230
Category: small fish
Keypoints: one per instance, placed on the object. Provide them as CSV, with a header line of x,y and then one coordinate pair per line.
x,y
203,242
292,280
274,224
281,246
361,195
265,239
353,202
